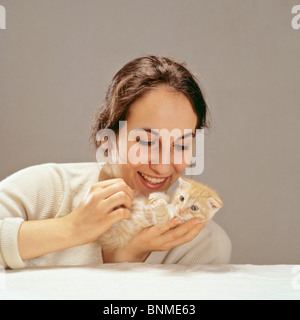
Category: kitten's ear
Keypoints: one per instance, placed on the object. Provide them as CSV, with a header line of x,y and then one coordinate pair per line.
x,y
215,204
183,182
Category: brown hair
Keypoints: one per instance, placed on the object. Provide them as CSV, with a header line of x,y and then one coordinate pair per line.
x,y
135,79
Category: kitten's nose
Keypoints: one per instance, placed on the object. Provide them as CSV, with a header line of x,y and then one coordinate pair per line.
x,y
181,211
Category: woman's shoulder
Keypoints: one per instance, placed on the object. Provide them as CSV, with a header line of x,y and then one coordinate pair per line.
x,y
51,179
52,172
31,175
81,169
49,187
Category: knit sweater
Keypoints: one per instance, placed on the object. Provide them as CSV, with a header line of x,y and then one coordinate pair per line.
x,y
54,190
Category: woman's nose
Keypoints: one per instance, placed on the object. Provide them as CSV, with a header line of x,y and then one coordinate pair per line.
x,y
164,170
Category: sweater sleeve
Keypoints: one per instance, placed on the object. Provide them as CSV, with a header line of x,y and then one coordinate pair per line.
x,y
9,253
212,247
26,195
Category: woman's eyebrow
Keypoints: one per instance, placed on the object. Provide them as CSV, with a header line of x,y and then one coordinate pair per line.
x,y
156,133
187,135
153,131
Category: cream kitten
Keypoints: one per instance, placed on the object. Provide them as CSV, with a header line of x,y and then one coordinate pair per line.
x,y
191,199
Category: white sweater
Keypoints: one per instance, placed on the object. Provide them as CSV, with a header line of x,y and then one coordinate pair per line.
x,y
54,190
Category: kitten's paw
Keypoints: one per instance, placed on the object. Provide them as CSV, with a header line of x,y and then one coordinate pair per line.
x,y
159,204
161,218
155,197
158,197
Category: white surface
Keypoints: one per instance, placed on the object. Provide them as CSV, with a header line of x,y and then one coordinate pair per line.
x,y
144,281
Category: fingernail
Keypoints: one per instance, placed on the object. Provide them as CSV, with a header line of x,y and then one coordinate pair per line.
x,y
177,221
197,221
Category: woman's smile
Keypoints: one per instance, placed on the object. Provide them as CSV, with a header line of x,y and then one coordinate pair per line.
x,y
151,182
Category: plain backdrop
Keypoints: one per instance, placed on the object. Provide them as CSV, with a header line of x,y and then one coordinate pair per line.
x,y
57,58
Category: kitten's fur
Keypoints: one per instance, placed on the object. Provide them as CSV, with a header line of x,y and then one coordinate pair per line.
x,y
191,199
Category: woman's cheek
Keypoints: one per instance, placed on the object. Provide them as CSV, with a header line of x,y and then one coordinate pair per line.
x,y
138,155
180,168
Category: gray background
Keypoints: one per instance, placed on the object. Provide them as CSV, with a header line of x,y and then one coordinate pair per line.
x,y
57,58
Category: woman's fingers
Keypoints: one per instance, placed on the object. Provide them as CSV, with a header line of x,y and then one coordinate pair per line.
x,y
111,189
170,234
186,237
105,183
119,214
168,225
181,232
118,199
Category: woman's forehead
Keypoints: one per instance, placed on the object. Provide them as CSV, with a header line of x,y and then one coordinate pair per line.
x,y
162,108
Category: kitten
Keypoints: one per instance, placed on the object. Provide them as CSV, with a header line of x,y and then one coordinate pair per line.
x,y
191,199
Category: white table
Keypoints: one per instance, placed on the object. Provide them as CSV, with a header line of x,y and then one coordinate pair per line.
x,y
130,281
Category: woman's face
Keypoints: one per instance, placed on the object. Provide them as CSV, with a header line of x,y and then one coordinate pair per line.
x,y
148,168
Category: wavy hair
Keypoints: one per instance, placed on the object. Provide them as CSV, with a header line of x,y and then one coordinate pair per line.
x,y
135,79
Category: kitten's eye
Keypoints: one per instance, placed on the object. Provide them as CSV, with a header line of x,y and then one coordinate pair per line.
x,y
181,198
194,208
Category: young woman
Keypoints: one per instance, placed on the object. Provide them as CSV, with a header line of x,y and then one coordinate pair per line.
x,y
53,214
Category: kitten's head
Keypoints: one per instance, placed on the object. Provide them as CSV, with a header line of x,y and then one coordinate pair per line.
x,y
193,199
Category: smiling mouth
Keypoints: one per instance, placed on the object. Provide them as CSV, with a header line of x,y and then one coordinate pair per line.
x,y
152,180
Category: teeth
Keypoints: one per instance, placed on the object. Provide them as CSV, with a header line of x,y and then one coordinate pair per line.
x,y
152,180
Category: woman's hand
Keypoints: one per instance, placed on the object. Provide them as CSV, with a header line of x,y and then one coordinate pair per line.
x,y
105,203
156,238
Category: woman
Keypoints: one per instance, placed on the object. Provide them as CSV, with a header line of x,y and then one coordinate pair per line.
x,y
53,214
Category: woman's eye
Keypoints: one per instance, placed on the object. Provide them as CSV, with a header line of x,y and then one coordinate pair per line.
x,y
181,198
145,143
194,208
180,147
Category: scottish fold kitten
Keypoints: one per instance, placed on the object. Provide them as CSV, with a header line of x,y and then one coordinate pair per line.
x,y
191,199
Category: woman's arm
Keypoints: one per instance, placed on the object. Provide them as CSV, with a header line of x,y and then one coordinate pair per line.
x,y
95,214
40,237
